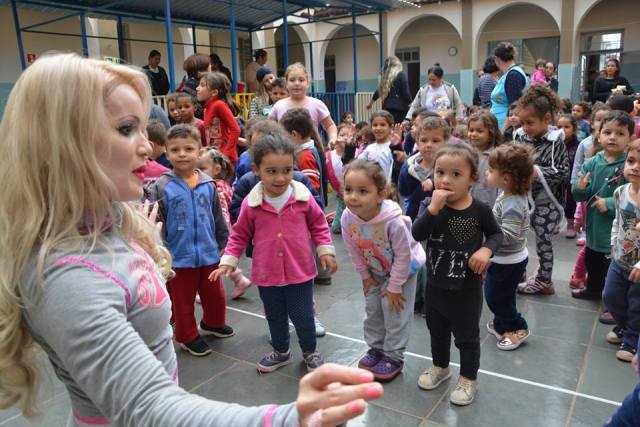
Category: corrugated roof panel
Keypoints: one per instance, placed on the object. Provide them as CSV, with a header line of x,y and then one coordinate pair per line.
x,y
249,14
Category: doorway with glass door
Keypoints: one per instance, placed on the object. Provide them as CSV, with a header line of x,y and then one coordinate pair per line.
x,y
595,50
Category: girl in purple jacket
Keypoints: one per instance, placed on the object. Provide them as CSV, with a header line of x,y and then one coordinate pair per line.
x,y
280,216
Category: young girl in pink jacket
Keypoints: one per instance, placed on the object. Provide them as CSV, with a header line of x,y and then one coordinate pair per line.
x,y
280,216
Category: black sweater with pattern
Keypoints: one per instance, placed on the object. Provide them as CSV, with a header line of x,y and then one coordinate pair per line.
x,y
453,236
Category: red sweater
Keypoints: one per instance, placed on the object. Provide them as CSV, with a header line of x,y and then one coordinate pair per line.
x,y
307,165
199,124
221,129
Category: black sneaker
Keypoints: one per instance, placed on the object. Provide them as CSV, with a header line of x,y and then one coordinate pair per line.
x,y
322,281
225,332
197,347
272,361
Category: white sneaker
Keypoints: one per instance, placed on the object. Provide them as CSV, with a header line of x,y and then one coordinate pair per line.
x,y
464,392
492,330
433,377
320,329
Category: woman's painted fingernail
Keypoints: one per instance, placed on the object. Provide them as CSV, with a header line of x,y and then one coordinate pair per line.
x,y
374,391
366,377
357,406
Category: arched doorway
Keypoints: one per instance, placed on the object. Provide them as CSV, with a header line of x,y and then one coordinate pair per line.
x,y
338,61
296,49
531,29
425,41
608,29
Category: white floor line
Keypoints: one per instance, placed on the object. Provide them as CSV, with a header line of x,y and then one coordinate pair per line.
x,y
482,371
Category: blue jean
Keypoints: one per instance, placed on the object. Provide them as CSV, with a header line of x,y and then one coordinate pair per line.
x,y
336,223
500,292
629,413
294,302
622,297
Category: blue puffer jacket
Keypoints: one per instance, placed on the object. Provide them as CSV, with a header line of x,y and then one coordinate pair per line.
x,y
194,228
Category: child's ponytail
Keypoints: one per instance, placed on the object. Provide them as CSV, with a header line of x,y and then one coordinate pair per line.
x,y
221,83
542,99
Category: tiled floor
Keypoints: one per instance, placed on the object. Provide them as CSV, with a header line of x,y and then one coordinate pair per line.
x,y
565,375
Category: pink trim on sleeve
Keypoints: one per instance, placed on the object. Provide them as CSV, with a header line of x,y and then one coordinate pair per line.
x,y
89,421
70,260
268,416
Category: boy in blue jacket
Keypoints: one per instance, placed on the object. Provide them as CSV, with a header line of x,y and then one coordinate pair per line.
x,y
195,233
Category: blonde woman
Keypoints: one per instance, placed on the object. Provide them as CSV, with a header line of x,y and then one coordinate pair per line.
x,y
393,90
261,103
82,272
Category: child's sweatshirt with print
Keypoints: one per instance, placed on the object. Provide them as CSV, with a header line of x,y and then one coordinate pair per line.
x,y
552,159
625,238
605,178
453,236
383,246
194,228
381,154
221,129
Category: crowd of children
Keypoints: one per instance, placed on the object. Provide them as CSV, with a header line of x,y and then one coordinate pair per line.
x,y
469,192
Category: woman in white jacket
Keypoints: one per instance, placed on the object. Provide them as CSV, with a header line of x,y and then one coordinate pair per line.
x,y
437,95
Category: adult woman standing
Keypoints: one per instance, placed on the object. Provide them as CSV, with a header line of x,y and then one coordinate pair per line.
x,y
488,81
194,66
393,90
217,65
437,95
82,271
608,81
510,86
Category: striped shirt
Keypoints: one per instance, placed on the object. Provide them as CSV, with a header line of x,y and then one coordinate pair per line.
x,y
512,215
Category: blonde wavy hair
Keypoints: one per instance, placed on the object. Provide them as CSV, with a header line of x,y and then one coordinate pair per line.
x,y
57,183
392,67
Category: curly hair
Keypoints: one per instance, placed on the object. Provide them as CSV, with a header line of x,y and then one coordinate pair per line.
x,y
586,107
490,123
516,161
542,99
226,167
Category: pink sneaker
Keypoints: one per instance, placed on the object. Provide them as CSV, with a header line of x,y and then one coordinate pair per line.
x,y
534,285
576,283
240,284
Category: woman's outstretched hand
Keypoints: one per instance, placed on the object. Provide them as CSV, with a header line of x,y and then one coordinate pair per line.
x,y
334,394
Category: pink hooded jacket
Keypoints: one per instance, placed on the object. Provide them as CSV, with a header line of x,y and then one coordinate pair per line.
x,y
282,252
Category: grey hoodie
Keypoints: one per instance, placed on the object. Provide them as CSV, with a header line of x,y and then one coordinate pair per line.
x,y
103,320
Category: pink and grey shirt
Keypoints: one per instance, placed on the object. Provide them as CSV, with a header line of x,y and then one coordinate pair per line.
x,y
102,317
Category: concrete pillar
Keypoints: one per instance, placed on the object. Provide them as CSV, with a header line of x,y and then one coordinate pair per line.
x,y
567,66
93,44
187,35
467,73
